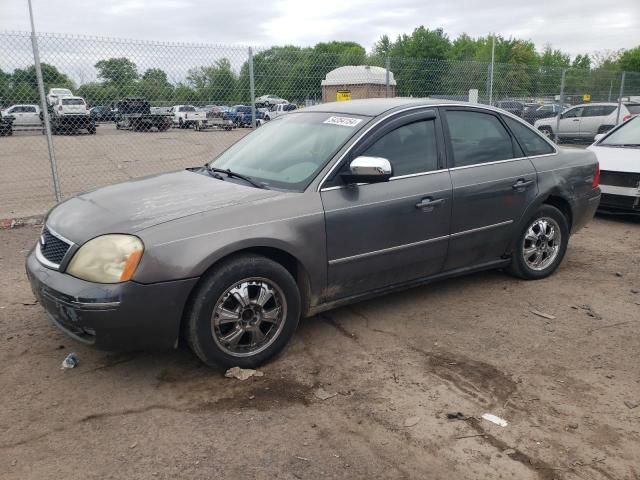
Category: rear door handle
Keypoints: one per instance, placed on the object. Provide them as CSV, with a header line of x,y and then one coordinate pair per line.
x,y
521,184
428,203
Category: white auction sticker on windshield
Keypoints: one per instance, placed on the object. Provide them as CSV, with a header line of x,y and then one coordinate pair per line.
x,y
343,121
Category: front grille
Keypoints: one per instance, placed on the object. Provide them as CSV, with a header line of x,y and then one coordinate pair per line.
x,y
53,248
619,179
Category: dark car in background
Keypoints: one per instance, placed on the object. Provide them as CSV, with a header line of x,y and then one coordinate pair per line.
x,y
320,207
6,125
102,113
511,106
537,112
241,115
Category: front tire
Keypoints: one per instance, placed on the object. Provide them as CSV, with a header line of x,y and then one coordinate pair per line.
x,y
540,245
243,312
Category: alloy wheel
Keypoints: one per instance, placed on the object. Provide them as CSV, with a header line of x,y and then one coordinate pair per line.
x,y
248,317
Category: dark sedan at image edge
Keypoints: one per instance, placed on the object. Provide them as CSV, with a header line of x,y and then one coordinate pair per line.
x,y
321,207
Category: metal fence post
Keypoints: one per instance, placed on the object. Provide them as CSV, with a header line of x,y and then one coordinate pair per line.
x,y
43,106
387,64
620,97
561,101
493,59
252,89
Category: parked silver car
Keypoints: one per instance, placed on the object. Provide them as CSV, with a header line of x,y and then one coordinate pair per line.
x,y
321,207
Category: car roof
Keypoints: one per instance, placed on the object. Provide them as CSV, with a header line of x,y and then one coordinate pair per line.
x,y
372,107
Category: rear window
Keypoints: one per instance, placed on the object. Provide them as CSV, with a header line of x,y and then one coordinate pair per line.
x,y
188,108
72,101
634,109
531,142
288,107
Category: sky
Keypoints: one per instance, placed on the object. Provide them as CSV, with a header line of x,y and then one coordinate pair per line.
x,y
575,26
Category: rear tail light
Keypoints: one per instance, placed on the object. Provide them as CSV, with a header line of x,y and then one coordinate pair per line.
x,y
626,117
596,177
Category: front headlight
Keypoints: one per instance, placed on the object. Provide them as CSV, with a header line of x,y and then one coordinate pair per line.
x,y
107,259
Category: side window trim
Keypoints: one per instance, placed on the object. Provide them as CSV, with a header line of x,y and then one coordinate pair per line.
x,y
523,147
518,152
388,125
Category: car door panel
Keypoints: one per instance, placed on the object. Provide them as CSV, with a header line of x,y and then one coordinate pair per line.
x,y
489,197
487,205
387,233
570,122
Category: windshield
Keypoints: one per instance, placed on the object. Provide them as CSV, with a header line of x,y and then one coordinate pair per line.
x,y
288,152
72,101
627,134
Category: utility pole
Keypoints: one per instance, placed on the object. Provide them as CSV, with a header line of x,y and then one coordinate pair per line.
x,y
43,106
493,59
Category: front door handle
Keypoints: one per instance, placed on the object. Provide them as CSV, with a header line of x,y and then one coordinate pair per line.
x,y
576,119
521,184
428,203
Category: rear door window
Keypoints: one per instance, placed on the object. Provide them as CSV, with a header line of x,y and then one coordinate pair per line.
x,y
530,141
477,137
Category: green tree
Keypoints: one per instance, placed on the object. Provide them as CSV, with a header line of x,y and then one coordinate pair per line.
x,y
630,60
120,71
215,83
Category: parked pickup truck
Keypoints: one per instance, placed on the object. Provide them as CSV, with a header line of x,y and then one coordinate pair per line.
x,y
186,116
69,114
23,115
134,113
279,109
240,115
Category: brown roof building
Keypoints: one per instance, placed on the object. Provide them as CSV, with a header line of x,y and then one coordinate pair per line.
x,y
353,82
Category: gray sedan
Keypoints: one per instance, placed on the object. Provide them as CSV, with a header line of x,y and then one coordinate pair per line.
x,y
321,207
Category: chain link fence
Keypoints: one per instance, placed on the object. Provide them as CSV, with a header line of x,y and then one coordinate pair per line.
x,y
149,107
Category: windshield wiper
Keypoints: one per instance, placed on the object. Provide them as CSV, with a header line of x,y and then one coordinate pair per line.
x,y
237,175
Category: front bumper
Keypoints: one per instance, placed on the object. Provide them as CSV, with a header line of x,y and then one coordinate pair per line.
x,y
619,198
121,317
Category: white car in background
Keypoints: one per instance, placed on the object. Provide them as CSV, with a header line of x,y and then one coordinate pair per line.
x,y
23,115
587,120
619,155
268,100
54,93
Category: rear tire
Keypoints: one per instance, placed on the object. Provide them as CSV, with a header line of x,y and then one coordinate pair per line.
x,y
243,312
540,245
547,132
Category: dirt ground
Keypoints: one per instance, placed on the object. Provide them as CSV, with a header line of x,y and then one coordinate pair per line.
x,y
569,386
86,162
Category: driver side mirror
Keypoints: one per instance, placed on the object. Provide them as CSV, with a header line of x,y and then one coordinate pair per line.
x,y
368,170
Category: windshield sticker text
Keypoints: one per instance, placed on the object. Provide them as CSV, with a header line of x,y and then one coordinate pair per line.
x,y
343,121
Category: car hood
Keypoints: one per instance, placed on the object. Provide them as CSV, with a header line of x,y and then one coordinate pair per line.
x,y
618,159
132,206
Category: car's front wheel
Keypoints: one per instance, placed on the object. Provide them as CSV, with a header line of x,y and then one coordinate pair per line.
x,y
541,244
243,313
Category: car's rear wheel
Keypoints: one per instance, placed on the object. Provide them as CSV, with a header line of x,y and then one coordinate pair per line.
x,y
243,313
541,244
546,131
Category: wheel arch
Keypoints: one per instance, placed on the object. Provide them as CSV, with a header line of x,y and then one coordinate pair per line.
x,y
555,198
275,253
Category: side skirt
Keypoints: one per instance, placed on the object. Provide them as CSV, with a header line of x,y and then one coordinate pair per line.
x,y
314,310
